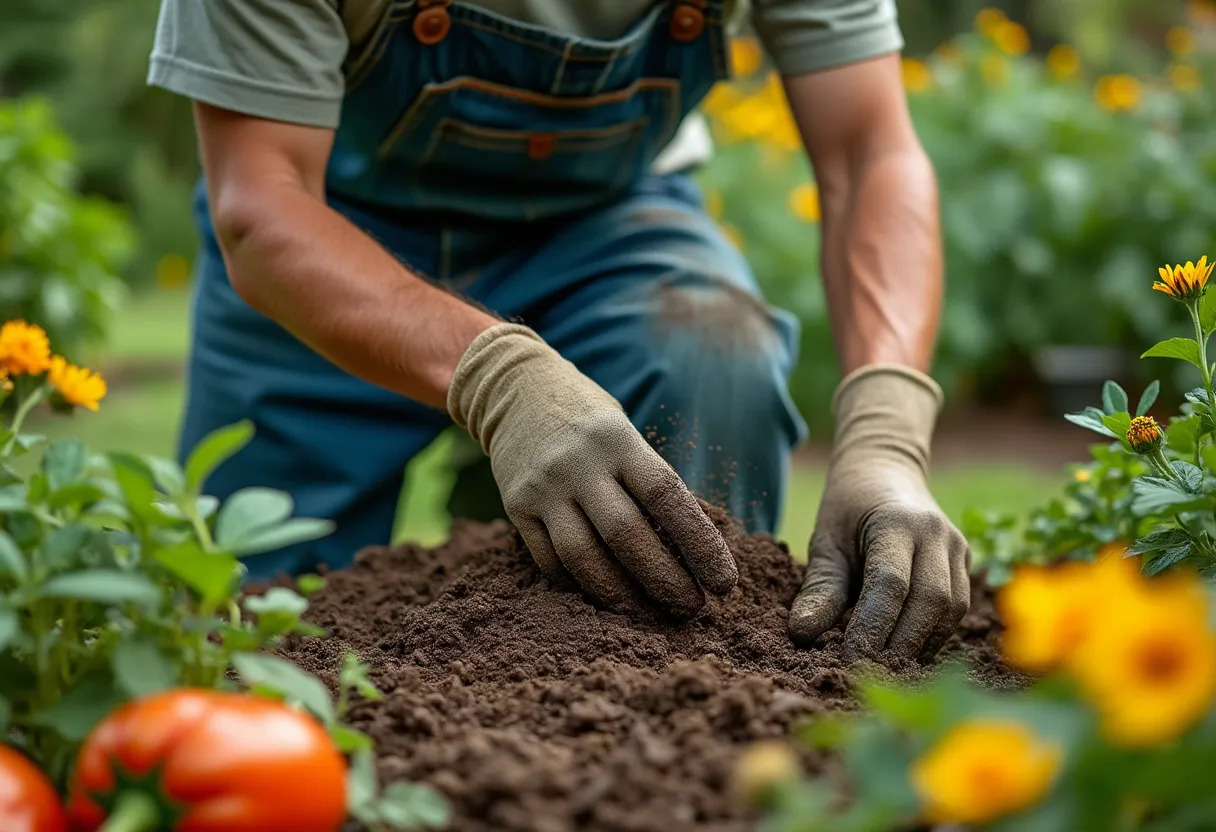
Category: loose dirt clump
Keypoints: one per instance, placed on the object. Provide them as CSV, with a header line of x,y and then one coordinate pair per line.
x,y
532,710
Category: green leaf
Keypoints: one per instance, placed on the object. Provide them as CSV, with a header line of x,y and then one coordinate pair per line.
x,y
1114,398
10,626
249,510
309,585
279,612
1094,423
1182,434
1198,395
214,449
1191,476
348,739
141,668
12,561
6,717
212,575
1207,312
167,474
413,806
135,481
12,498
1163,538
1163,561
354,675
65,544
262,670
64,462
295,530
1118,424
362,787
1184,349
1154,495
104,586
80,709
75,494
1148,398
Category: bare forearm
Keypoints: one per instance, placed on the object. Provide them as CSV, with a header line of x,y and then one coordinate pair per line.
x,y
882,260
298,261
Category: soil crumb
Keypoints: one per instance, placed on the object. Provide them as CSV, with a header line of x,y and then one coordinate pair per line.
x,y
532,710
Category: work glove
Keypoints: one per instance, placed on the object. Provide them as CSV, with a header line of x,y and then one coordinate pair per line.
x,y
579,481
879,530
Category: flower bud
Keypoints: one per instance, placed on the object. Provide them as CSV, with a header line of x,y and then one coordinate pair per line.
x,y
1144,435
761,769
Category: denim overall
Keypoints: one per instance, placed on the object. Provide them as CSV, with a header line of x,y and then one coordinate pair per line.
x,y
512,164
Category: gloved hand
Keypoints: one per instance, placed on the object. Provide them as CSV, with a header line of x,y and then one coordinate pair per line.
x,y
879,527
578,480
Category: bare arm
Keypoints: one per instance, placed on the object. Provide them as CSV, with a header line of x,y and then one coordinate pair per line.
x,y
296,260
881,257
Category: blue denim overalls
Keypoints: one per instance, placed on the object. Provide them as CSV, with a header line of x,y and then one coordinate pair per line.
x,y
512,164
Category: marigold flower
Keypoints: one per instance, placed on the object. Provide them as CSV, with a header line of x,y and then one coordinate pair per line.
x,y
1185,78
24,348
732,234
1150,668
989,20
804,202
994,68
1180,41
78,386
918,77
763,767
1082,475
983,769
1011,38
1185,282
1117,93
746,56
1063,61
1144,435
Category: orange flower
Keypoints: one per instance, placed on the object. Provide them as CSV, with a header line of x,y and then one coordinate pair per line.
x,y
1063,61
77,385
24,348
1011,38
746,56
804,202
989,20
1117,93
1185,282
917,75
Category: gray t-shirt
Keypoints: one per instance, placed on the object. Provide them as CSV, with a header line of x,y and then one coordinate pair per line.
x,y
282,59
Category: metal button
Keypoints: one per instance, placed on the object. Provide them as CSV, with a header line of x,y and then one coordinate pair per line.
x,y
432,25
687,22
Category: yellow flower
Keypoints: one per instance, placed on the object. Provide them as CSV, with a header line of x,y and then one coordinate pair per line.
x,y
732,234
762,768
983,769
989,20
1185,78
24,348
994,68
1082,475
804,202
713,204
1117,93
1150,667
949,53
172,271
745,56
1011,38
1185,282
1180,41
6,384
1063,61
917,75
1144,435
77,385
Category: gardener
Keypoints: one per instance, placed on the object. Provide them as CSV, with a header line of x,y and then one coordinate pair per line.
x,y
393,186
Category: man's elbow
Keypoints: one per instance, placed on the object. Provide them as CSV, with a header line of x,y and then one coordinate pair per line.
x,y
244,229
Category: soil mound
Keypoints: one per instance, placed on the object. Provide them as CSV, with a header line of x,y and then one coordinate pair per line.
x,y
532,710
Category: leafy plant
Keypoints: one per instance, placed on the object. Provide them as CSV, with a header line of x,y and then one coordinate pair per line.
x,y
120,577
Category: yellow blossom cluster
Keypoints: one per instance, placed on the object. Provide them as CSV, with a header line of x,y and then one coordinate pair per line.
x,y
1142,650
25,350
1185,282
1117,93
760,115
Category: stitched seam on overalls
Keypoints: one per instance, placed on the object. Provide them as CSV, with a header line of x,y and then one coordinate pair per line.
x,y
360,67
604,73
429,93
482,138
561,70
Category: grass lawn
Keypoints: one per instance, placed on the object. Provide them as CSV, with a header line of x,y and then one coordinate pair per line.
x,y
142,415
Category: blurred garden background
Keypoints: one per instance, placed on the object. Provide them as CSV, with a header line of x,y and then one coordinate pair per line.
x,y
1074,145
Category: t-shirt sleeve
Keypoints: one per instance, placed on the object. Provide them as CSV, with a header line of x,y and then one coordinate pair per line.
x,y
808,35
275,59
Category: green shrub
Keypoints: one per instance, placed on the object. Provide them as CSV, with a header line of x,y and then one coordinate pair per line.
x,y
60,252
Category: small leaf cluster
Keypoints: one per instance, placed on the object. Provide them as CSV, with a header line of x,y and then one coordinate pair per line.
x,y
120,577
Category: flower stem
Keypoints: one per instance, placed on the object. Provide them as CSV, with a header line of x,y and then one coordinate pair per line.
x,y
134,812
1202,343
23,410
1158,461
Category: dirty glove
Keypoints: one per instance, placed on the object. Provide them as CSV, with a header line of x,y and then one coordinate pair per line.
x,y
578,480
879,527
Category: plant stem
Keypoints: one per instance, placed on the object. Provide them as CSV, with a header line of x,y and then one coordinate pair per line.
x,y
23,410
134,812
1202,342
1158,460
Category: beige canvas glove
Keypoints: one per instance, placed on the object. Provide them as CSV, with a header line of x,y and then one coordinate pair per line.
x,y
579,481
880,529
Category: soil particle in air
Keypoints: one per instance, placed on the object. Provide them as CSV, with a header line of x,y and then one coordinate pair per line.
x,y
532,710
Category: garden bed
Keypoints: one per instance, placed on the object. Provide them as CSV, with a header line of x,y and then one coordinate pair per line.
x,y
533,710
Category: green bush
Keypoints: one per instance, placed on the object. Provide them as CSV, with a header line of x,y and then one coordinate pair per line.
x,y
60,252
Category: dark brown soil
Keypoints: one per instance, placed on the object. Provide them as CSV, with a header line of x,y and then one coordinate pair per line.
x,y
534,711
